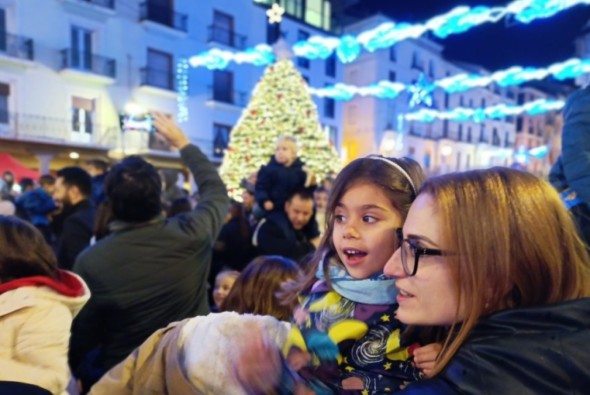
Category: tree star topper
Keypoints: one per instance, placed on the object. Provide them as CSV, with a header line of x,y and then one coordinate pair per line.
x,y
421,92
275,13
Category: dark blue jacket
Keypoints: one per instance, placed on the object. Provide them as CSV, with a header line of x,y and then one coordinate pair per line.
x,y
37,204
539,350
277,183
572,170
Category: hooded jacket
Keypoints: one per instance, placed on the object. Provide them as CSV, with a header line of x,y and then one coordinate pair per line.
x,y
36,314
541,350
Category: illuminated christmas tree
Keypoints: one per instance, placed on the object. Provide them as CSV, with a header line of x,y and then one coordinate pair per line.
x,y
280,105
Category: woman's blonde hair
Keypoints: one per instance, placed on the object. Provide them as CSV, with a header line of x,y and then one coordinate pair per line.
x,y
515,245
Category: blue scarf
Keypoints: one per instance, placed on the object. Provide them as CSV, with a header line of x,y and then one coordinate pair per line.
x,y
377,289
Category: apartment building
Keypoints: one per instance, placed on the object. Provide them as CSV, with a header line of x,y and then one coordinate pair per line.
x,y
76,76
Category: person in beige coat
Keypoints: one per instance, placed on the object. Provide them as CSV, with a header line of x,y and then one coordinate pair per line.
x,y
37,305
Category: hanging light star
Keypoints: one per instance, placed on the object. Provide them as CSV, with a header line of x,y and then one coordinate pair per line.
x,y
275,13
421,92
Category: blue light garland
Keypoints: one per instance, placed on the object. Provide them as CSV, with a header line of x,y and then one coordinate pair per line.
x,y
182,69
512,76
462,114
348,47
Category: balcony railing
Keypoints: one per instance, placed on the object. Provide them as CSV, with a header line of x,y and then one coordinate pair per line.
x,y
219,94
227,37
86,61
39,128
158,78
16,46
163,15
102,3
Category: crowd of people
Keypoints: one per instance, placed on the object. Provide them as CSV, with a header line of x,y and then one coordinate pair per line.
x,y
378,280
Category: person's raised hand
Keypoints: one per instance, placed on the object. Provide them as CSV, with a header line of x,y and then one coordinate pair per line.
x,y
168,129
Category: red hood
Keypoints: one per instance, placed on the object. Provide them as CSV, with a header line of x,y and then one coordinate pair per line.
x,y
67,284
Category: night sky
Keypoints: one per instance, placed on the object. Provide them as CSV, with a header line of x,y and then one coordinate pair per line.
x,y
499,45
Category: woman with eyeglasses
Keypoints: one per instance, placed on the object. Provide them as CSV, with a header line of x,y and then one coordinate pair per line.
x,y
492,259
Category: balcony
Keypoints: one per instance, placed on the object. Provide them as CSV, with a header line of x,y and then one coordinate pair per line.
x,y
16,50
100,9
85,66
226,99
165,16
101,3
220,35
158,82
42,129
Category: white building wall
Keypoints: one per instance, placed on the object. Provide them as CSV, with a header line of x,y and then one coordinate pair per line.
x,y
41,90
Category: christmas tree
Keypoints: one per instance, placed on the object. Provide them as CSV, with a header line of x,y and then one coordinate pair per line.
x,y
280,105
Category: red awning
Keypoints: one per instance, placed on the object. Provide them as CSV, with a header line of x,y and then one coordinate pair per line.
x,y
20,171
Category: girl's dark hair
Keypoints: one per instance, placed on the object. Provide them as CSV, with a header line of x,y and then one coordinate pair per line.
x,y
24,251
370,170
236,210
255,290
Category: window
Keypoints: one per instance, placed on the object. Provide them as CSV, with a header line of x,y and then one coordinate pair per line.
x,y
521,98
417,61
392,54
2,30
81,46
392,76
496,138
446,100
519,121
507,139
460,133
483,103
482,133
332,134
223,82
220,139
469,139
223,28
293,7
318,12
461,104
273,32
431,68
468,162
331,65
329,107
427,160
458,165
82,119
302,62
159,69
445,128
4,94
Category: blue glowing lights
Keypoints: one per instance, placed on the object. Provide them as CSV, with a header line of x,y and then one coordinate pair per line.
x,y
348,48
462,114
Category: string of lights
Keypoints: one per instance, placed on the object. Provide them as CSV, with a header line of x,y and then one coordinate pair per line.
x,y
348,47
513,76
182,86
499,111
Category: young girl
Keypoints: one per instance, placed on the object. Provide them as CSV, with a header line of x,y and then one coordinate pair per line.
x,y
37,305
346,335
224,281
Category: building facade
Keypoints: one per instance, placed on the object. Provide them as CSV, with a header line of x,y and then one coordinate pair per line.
x,y
440,146
73,73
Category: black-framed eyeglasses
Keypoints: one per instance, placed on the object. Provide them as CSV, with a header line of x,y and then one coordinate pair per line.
x,y
411,253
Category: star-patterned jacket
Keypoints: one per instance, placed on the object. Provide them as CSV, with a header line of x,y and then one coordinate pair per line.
x,y
349,342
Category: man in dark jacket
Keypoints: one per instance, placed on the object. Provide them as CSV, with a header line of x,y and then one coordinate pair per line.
x,y
150,270
292,233
73,187
571,173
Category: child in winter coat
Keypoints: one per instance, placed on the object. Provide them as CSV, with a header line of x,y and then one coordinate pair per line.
x,y
284,174
37,305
